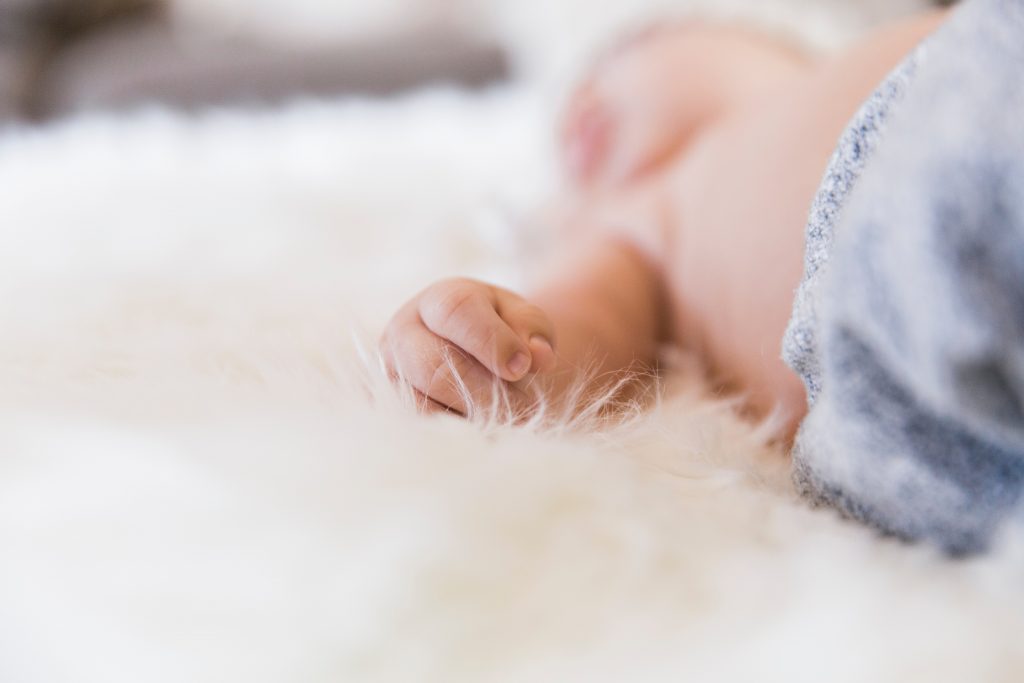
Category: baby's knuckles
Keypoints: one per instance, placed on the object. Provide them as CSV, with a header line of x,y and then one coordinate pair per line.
x,y
444,301
466,312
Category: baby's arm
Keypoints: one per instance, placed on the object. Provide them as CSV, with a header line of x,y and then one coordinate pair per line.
x,y
603,314
610,313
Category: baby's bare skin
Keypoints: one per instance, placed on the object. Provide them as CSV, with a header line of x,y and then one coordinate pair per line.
x,y
693,227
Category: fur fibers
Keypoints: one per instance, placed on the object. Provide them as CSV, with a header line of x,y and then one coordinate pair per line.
x,y
203,476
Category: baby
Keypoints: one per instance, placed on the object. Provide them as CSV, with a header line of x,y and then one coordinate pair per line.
x,y
696,150
740,196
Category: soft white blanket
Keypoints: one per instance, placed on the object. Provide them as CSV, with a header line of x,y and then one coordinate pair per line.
x,y
200,479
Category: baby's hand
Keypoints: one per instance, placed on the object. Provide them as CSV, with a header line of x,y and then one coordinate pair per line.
x,y
459,336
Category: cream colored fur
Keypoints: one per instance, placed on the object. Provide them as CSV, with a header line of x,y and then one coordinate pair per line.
x,y
202,480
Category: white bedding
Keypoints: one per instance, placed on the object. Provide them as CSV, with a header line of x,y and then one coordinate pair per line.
x,y
200,480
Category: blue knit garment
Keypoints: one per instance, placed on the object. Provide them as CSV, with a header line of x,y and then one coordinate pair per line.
x,y
908,327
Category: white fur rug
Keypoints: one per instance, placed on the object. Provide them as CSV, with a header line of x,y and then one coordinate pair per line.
x,y
201,481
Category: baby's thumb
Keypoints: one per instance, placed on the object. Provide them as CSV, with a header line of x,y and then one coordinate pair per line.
x,y
543,354
533,326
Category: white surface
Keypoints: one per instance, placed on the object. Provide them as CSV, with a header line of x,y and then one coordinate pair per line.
x,y
200,481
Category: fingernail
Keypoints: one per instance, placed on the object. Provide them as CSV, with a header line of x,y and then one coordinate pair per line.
x,y
519,364
542,342
543,354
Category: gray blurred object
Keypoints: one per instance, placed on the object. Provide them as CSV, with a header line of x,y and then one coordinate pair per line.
x,y
140,61
20,53
33,31
59,57
14,78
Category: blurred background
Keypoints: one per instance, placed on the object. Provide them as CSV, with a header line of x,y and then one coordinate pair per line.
x,y
63,56
59,57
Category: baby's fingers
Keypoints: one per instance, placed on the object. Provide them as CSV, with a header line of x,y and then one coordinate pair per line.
x,y
466,313
443,374
531,323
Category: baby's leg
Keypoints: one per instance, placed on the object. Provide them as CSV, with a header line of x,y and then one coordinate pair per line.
x,y
918,421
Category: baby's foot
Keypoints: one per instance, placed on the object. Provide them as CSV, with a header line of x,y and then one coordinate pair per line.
x,y
643,102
